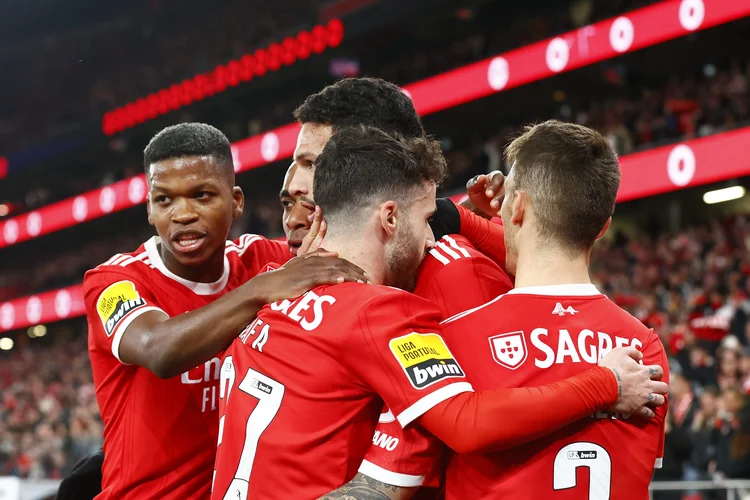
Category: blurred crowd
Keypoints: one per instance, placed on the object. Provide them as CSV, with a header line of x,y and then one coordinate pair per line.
x,y
693,289
684,108
94,71
49,418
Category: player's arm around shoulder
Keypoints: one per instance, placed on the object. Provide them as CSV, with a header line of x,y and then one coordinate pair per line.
x,y
399,352
170,346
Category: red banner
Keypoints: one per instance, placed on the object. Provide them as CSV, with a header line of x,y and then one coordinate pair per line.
x,y
660,170
688,164
201,86
42,308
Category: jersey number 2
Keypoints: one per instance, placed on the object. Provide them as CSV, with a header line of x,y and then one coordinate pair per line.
x,y
583,454
269,394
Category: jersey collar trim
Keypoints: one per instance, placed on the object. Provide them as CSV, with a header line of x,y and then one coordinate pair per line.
x,y
197,288
577,290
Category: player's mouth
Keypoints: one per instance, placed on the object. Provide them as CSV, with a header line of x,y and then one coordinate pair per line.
x,y
188,241
294,246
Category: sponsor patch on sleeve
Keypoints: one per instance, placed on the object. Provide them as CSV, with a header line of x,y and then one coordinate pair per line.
x,y
425,358
115,302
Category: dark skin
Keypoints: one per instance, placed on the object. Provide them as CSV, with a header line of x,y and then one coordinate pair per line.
x,y
191,204
486,193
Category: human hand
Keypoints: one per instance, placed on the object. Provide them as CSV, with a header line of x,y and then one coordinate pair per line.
x,y
314,237
306,272
486,193
640,388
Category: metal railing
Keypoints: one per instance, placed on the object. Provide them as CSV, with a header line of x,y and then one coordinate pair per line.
x,y
737,489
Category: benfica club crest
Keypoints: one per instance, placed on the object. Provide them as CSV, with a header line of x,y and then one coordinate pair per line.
x,y
509,349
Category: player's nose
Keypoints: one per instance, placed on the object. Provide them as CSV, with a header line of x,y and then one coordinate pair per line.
x,y
183,212
298,217
430,239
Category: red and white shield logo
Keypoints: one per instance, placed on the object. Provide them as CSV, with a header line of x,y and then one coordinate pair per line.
x,y
509,349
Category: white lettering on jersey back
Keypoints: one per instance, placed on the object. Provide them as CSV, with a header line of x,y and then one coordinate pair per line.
x,y
586,346
256,327
299,310
560,310
385,441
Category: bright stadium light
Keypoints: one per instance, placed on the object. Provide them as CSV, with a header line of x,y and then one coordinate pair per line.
x,y
31,333
6,343
722,195
40,330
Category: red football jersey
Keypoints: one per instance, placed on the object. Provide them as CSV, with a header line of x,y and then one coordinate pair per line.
x,y
159,435
302,387
535,336
455,277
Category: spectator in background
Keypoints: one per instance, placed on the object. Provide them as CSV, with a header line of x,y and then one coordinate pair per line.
x,y
681,401
731,438
702,430
677,447
729,375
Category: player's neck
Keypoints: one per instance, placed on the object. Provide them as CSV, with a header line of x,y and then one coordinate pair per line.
x,y
359,251
210,272
546,266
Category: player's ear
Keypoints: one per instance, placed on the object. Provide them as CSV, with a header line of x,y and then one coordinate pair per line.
x,y
604,228
518,207
389,217
238,202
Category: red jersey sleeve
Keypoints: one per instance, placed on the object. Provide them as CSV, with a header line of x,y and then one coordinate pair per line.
x,y
113,300
655,354
456,277
487,236
401,355
402,457
256,252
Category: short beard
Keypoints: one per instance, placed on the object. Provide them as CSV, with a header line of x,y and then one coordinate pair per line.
x,y
403,261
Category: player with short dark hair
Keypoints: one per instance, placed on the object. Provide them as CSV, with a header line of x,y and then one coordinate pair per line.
x,y
380,103
189,139
155,313
302,386
560,197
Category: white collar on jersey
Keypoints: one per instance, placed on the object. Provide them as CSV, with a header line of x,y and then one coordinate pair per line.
x,y
577,290
197,288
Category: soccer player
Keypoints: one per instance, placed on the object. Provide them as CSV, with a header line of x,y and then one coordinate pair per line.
x,y
302,386
154,313
560,196
450,274
375,103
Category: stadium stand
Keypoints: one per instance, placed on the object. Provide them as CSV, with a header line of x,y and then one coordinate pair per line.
x,y
691,283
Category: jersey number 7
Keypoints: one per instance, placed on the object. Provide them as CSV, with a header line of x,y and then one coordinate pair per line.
x,y
269,394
